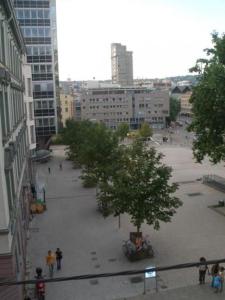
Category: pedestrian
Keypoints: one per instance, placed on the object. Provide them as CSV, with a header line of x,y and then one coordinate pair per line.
x,y
221,273
217,283
214,272
50,261
59,256
49,170
202,270
60,166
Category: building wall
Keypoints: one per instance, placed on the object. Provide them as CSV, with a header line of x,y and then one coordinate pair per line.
x,y
129,105
28,98
14,150
122,65
38,24
67,107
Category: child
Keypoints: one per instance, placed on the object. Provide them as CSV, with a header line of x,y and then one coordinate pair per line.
x,y
217,283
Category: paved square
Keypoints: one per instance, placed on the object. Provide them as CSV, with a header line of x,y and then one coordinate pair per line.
x,y
92,244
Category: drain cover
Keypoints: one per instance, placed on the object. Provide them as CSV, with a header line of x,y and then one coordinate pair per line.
x,y
112,259
136,279
163,286
94,281
94,258
97,266
194,194
93,252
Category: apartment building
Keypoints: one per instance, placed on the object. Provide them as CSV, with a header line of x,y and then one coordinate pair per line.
x,y
122,65
37,20
113,106
67,103
14,153
183,94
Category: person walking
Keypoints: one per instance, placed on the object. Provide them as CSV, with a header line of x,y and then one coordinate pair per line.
x,y
50,261
60,166
217,283
49,170
202,270
59,256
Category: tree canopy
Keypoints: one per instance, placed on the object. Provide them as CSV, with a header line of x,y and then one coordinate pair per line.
x,y
145,131
208,103
141,187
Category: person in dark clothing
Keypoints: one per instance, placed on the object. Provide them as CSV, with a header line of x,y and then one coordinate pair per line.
x,y
60,166
49,170
202,270
59,256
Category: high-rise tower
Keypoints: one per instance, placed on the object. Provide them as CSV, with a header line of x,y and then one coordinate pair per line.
x,y
122,65
37,20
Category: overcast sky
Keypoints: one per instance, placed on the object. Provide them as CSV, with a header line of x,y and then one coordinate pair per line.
x,y
166,36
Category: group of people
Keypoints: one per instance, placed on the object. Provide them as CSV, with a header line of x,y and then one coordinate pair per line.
x,y
51,258
217,272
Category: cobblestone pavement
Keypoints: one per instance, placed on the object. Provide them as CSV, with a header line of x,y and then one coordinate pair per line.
x,y
92,244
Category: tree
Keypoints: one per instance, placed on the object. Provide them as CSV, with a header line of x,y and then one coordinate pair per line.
x,y
145,131
122,130
141,188
174,108
208,103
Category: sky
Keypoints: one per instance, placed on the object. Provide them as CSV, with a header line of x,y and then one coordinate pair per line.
x,y
166,36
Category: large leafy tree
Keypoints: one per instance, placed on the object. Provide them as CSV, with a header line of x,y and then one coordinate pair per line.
x,y
145,131
208,103
141,188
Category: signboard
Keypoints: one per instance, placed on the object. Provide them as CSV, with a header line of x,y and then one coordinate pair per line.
x,y
149,273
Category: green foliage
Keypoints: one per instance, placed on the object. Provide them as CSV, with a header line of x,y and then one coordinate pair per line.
x,y
122,130
140,187
92,146
57,139
174,108
208,104
145,131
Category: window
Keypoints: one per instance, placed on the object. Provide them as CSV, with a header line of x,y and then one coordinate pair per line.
x,y
31,114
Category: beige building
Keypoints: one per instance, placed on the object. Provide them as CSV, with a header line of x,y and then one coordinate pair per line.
x,y
67,107
113,106
122,65
183,93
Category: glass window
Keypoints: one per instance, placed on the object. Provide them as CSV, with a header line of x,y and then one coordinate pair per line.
x,y
46,14
40,14
42,68
44,104
33,14
50,87
41,32
36,69
45,122
48,50
35,51
51,122
29,50
26,14
37,87
34,32
49,68
50,103
47,31
27,32
42,50
20,14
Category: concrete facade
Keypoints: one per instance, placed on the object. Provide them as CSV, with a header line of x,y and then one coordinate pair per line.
x,y
122,65
29,102
183,94
125,105
14,153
